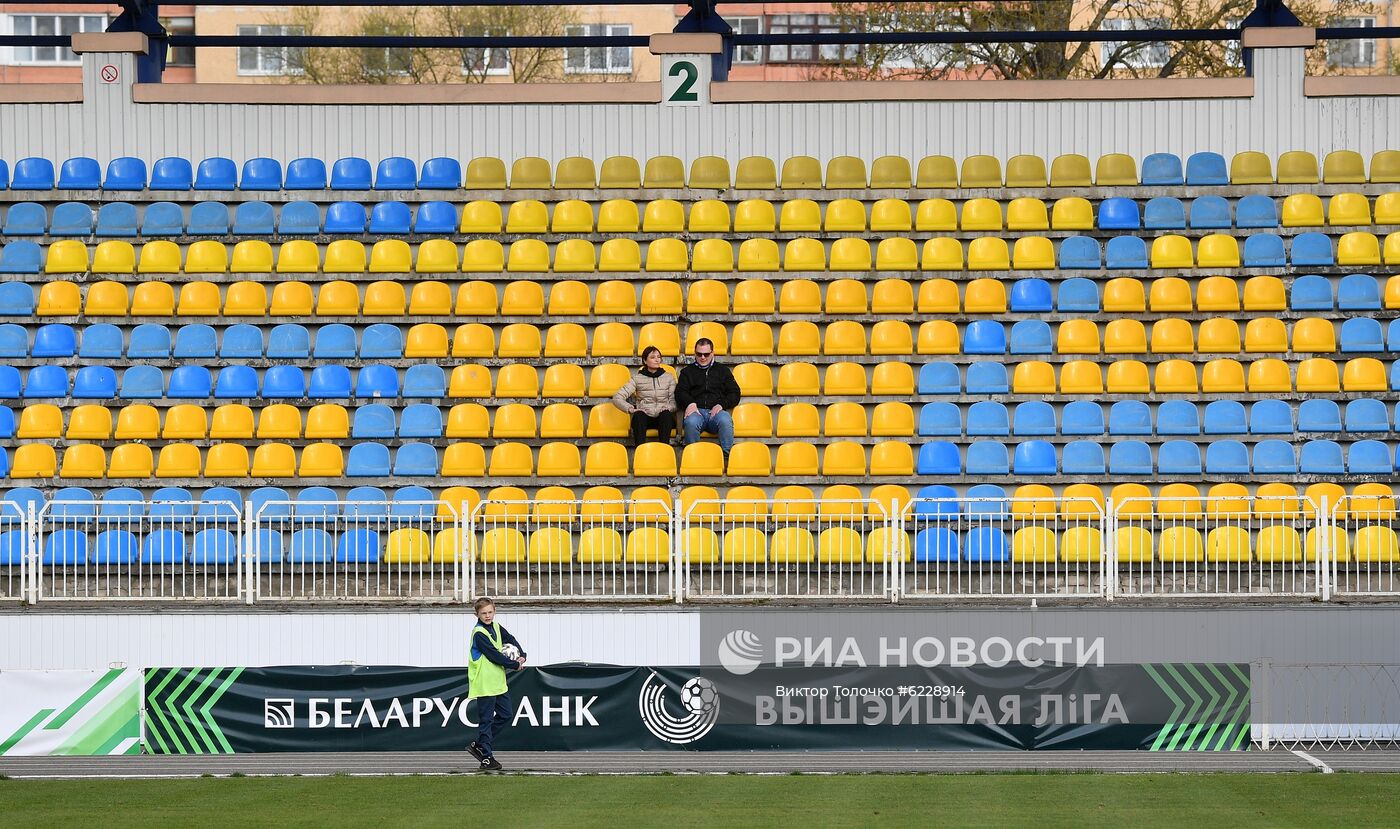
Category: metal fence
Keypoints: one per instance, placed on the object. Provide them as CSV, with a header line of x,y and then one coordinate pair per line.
x,y
1366,552
16,552
1328,706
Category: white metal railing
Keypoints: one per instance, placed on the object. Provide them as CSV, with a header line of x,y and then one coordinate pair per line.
x,y
745,549
1227,547
1354,705
1004,547
1365,547
16,552
582,550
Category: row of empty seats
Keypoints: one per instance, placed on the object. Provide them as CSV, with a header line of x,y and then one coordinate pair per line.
x,y
706,172
1135,417
1218,376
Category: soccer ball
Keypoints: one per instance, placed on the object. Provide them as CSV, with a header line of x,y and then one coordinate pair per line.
x,y
511,652
699,695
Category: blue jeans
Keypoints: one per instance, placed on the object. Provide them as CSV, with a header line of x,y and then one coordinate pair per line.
x,y
492,715
702,421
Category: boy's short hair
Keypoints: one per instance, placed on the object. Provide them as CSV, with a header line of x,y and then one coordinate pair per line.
x,y
484,601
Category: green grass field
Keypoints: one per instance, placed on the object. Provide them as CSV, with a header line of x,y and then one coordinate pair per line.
x,y
1081,801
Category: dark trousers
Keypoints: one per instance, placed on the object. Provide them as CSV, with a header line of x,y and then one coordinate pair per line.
x,y
492,713
663,423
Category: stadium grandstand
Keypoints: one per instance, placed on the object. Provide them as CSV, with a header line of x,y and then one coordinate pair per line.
x,y
291,372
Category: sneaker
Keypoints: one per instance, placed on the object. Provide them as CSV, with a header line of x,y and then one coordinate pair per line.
x,y
474,748
490,764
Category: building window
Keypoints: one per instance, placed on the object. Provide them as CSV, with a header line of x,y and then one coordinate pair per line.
x,y
487,60
52,24
1353,54
599,59
1138,54
808,24
391,60
270,60
747,26
179,55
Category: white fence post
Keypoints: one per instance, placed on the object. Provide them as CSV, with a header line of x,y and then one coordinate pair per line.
x,y
250,555
1109,558
30,565
1323,524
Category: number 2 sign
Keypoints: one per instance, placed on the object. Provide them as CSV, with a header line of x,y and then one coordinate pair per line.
x,y
685,80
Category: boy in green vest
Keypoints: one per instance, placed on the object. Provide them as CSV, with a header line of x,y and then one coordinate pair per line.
x,y
494,651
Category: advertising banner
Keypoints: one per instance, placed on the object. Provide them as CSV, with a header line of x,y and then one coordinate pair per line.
x,y
1157,707
70,712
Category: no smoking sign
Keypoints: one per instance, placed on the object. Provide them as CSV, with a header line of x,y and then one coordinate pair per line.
x,y
109,74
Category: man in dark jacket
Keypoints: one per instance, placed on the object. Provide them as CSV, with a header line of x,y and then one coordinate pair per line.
x,y
705,394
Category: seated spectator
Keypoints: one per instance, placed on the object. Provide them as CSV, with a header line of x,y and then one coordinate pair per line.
x,y
649,397
705,394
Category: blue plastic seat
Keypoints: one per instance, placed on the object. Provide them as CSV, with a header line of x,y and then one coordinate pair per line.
x,y
1130,417
1164,213
1270,417
237,382
1119,213
1162,170
988,501
122,502
396,173
220,502
7,428
440,174
46,382
358,546
14,341
299,218
54,340
1178,417
81,173
1083,457
172,174
289,341
425,380
329,383
1210,213
284,383
939,457
117,220
435,217
1263,250
101,342
1206,168
195,340
1274,457
317,502
242,341
66,548
350,174
9,382
375,420
1032,337
33,174
413,503
115,547
1310,293
190,382
172,502
984,337
1395,376
1130,457
267,546
71,219
421,420
269,502
1256,211
1077,294
312,546
306,174
1319,415
368,460
1225,417
377,381
125,173
1359,292
254,218
149,341
163,547
940,420
1126,252
1080,253
934,378
335,342
1367,415
1033,418
1321,457
390,217
364,502
987,378
14,546
26,219
936,502
163,218
216,174
19,501
1082,417
214,546
936,544
1181,457
1031,295
17,298
1311,249
209,218
345,217
381,341
4,175
415,460
73,502
1361,335
1369,457
142,383
95,383
985,544
1032,457
988,457
988,418
261,174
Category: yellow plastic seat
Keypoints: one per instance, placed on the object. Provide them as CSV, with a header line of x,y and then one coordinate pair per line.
x,y
890,337
1228,544
198,299
1297,167
34,460
299,256
575,173
939,296
1175,377
752,338
486,173
712,331
1364,374
980,171
1082,501
1228,500
985,296
484,217
702,460
942,254
208,256
1172,336
43,420
1124,294
758,255
504,545
843,419
231,421
66,256
181,460
892,296
800,337
710,255
1302,210
1172,251
799,296
574,256
1072,213
1343,210
981,214
566,380
1318,374
752,420
385,299
890,172
522,299
892,419
561,420
620,172
1229,375
226,460
891,458
1034,544
1026,214
603,380
663,216
846,296
1251,168
1277,500
430,298
335,299
801,172
344,256
467,460
892,378
845,172
663,172
613,339
514,420
1026,171
114,257
755,216
841,379
1358,249
1083,377
561,459
59,299
1375,543
795,459
441,256
1114,170
1124,377
1264,293
618,216
663,335
1179,544
1122,336
274,460
86,422
988,253
936,172
1078,336
1070,170
1344,167
749,545
105,299
802,255
1372,501
467,420
1217,293
83,460
896,255
936,215
1033,253
1169,294
708,296
756,379
1314,334
188,422
566,339
888,214
1218,251
709,172
1387,213
1033,377
529,173
526,256
1219,335
520,339
654,460
749,459
850,255
709,216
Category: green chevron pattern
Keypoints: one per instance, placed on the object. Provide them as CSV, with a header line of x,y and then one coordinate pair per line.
x,y
1210,707
178,704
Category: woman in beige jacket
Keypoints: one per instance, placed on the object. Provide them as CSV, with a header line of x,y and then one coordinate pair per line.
x,y
650,398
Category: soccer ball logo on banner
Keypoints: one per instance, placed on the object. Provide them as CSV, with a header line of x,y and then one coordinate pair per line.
x,y
699,699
